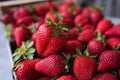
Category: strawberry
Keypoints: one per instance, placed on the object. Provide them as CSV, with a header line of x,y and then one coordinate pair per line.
x,y
52,16
84,67
67,14
88,26
41,10
95,17
38,24
68,22
113,42
113,32
66,77
44,78
86,35
51,6
87,11
108,60
21,34
95,47
33,38
81,20
77,10
52,65
21,12
7,18
50,39
73,33
25,70
71,46
27,20
104,25
105,76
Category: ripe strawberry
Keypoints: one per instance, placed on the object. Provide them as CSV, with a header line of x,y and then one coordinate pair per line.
x,y
81,20
113,42
47,43
103,26
21,34
52,16
95,17
67,14
68,22
108,60
105,76
84,67
21,12
113,32
38,24
27,20
44,78
86,35
51,6
73,33
7,18
25,70
88,26
52,65
87,11
95,47
77,10
71,46
41,10
33,38
66,77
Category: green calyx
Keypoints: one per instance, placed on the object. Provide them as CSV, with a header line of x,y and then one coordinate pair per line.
x,y
8,32
24,52
58,27
58,15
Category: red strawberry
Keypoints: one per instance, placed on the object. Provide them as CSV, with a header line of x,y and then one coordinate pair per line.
x,y
67,14
73,33
47,43
27,20
81,20
38,24
103,26
68,22
84,67
25,70
86,35
88,26
95,17
21,12
44,78
20,34
33,38
77,10
7,18
52,65
95,47
51,6
66,77
41,10
52,16
105,76
114,31
71,46
108,60
87,11
113,42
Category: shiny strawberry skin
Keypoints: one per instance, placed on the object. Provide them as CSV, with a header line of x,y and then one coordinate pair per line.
x,y
87,11
105,76
84,67
66,77
33,38
95,17
77,10
113,42
51,6
86,35
21,34
81,20
95,47
108,60
113,32
52,65
26,71
104,25
67,14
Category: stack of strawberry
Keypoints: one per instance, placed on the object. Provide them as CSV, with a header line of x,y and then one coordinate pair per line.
x,y
64,43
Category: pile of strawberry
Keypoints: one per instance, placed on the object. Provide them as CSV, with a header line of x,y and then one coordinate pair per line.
x,y
64,43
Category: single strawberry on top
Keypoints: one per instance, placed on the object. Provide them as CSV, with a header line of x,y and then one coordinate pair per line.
x,y
109,60
51,39
52,65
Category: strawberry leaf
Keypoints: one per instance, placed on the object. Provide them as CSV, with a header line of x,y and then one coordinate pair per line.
x,y
78,51
8,32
